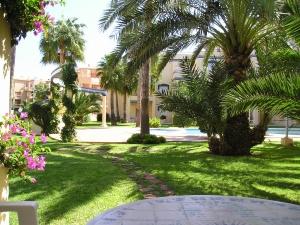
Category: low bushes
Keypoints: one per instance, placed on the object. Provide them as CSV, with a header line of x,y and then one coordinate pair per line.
x,y
154,122
145,139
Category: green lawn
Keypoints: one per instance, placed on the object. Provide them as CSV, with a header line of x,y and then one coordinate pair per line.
x,y
80,181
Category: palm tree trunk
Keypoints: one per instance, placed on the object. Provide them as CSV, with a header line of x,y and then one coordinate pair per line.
x,y
124,107
62,56
145,129
112,109
117,106
138,102
238,137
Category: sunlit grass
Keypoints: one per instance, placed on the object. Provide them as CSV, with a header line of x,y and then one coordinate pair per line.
x,y
80,181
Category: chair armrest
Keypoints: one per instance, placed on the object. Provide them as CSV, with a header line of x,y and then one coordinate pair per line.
x,y
27,211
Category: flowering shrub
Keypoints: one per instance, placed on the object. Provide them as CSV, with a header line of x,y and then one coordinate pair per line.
x,y
25,16
19,150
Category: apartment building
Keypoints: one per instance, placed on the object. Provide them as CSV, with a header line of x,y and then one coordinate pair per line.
x,y
22,91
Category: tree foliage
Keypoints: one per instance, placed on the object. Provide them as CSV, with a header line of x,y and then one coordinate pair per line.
x,y
69,77
63,41
278,94
199,97
84,105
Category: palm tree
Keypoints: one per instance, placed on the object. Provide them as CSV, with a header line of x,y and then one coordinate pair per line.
x,y
84,105
131,17
63,41
237,27
109,79
291,19
128,84
277,94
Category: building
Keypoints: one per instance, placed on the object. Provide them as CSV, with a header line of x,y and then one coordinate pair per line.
x,y
23,89
88,78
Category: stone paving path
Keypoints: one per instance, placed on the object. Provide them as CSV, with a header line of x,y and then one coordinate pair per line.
x,y
149,185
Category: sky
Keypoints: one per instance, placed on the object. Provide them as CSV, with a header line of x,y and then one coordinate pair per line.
x,y
97,44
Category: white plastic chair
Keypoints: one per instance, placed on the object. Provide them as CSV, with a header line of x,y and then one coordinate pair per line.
x,y
27,211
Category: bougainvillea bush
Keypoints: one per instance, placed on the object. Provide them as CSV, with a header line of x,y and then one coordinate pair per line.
x,y
20,150
27,15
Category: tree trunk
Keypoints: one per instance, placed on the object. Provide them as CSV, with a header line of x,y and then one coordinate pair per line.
x,y
238,137
145,129
124,107
112,109
117,106
138,101
62,56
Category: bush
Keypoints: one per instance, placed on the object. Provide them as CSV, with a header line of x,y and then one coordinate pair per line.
x,y
182,121
42,115
146,139
154,122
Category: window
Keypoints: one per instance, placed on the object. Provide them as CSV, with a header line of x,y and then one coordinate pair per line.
x,y
17,101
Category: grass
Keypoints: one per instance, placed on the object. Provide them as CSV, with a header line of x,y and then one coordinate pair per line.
x,y
80,181
75,187
272,172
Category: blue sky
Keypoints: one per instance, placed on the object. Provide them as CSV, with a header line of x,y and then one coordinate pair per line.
x,y
98,44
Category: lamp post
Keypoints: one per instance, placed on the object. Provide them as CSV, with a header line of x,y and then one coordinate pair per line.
x,y
286,141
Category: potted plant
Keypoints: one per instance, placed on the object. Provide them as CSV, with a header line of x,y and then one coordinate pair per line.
x,y
20,152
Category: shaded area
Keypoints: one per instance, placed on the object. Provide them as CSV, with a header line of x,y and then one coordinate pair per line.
x,y
75,187
272,172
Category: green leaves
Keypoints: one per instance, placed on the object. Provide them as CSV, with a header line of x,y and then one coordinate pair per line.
x,y
291,19
63,41
276,94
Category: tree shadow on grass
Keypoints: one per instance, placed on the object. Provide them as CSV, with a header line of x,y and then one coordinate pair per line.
x,y
188,171
73,179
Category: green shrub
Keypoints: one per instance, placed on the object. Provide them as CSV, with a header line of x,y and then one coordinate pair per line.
x,y
42,115
182,121
146,139
154,122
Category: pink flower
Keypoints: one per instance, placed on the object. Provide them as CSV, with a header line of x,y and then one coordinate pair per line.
x,y
32,139
31,163
14,128
26,153
41,163
6,136
24,133
23,115
43,138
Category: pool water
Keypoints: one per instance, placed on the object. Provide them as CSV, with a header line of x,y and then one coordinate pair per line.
x,y
195,132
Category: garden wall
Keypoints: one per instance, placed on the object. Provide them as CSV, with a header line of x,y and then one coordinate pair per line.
x,y
5,48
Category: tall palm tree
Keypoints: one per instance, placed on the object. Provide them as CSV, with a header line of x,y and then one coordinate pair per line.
x,y
130,17
109,79
63,41
278,94
238,27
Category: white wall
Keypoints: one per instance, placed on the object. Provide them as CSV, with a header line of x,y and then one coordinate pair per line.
x,y
4,65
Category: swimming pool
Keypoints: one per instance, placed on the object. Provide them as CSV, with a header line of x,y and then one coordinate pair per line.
x,y
276,132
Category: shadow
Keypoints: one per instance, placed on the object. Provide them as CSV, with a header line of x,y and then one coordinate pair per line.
x,y
271,172
71,180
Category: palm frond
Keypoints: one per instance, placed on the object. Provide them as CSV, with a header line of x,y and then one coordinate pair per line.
x,y
277,94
